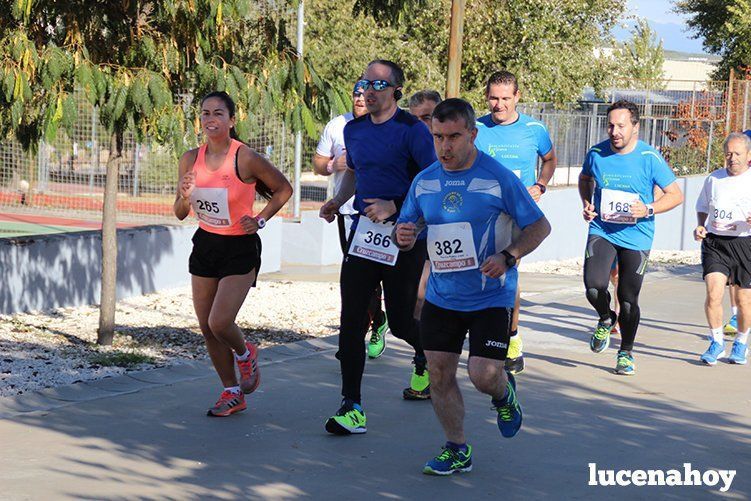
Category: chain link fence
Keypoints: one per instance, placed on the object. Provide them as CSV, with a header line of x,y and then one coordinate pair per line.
x,y
66,177
686,121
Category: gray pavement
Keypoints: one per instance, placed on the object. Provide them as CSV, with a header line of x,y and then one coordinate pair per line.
x,y
146,436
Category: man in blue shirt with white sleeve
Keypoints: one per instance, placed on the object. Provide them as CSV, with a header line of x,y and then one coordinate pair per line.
x,y
516,141
616,187
469,205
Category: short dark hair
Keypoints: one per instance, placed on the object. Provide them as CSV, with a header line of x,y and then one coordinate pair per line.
x,y
455,109
626,105
424,95
502,77
397,74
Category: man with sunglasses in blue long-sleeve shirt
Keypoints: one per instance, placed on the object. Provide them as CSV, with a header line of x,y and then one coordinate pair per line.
x,y
385,150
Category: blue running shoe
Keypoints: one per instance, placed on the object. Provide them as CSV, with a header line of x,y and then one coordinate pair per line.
x,y
509,410
716,350
624,363
449,461
739,353
732,326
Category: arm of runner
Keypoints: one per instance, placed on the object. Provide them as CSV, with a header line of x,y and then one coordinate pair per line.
x,y
700,232
379,210
549,162
517,203
405,235
410,223
528,240
324,154
346,190
321,163
252,167
586,193
672,198
186,182
702,211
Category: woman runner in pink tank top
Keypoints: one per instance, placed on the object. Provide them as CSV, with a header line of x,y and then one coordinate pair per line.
x,y
218,181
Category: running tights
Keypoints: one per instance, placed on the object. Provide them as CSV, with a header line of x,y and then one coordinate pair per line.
x,y
632,265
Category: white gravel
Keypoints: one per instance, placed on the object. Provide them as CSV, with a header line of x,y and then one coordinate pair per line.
x,y
658,260
46,349
54,348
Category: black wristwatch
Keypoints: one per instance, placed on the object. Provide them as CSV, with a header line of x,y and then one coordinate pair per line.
x,y
510,258
543,189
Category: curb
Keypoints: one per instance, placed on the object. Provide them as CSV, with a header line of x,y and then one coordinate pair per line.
x,y
47,399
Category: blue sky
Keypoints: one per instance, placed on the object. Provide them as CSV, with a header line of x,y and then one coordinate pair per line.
x,y
669,26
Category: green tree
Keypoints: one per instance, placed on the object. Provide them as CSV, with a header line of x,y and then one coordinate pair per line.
x,y
549,45
640,59
725,26
132,58
340,45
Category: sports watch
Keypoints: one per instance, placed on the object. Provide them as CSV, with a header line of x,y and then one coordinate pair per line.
x,y
261,222
650,210
510,258
542,187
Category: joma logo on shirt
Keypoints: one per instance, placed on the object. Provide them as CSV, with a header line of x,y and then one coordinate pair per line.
x,y
458,182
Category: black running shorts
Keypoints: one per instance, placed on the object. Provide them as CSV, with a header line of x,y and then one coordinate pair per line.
x,y
219,256
730,256
444,330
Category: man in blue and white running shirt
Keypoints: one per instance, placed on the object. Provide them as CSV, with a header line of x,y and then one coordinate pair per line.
x,y
516,141
616,186
469,205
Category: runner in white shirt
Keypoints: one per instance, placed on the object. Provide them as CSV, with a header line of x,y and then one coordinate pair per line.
x,y
723,211
330,158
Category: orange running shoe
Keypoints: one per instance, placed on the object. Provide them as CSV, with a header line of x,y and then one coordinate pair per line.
x,y
250,375
228,403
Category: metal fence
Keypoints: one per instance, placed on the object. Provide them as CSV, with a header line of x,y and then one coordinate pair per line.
x,y
690,145
66,177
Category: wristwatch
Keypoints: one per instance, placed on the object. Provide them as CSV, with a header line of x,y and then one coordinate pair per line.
x,y
650,210
510,258
261,222
542,187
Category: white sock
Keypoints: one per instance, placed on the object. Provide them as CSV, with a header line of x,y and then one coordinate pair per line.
x,y
742,337
734,310
233,389
716,335
243,357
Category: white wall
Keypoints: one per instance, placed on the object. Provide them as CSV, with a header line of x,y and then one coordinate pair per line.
x,y
49,271
314,242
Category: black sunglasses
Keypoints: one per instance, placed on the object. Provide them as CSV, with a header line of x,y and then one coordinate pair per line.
x,y
378,85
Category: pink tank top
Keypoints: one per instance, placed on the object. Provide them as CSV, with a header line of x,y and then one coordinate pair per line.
x,y
219,198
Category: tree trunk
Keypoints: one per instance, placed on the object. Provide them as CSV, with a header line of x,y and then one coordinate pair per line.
x,y
106,331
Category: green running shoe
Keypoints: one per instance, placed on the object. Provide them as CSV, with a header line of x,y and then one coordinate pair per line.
x,y
348,420
419,384
449,461
377,344
601,338
625,364
515,357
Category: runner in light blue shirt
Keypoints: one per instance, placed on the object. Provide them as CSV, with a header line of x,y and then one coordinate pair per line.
x,y
516,141
616,186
